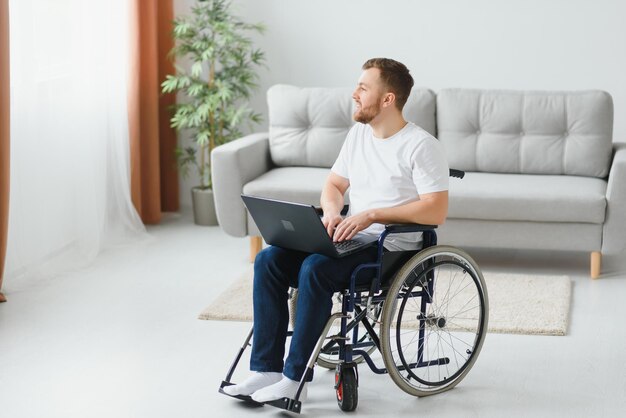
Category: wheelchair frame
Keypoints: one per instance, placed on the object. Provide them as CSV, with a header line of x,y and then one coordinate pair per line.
x,y
349,347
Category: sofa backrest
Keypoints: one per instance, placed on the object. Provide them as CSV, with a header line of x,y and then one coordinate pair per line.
x,y
528,132
307,126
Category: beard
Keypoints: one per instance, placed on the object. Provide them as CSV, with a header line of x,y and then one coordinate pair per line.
x,y
367,114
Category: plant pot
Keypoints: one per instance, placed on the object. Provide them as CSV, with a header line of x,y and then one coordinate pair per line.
x,y
203,206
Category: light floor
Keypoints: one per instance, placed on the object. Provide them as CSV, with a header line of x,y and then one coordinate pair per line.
x,y
121,339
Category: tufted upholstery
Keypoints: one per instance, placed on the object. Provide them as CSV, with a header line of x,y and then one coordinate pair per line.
x,y
527,132
308,125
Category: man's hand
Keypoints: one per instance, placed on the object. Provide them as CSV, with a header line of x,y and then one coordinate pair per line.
x,y
330,223
350,226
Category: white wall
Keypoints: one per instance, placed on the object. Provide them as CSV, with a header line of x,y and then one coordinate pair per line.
x,y
516,44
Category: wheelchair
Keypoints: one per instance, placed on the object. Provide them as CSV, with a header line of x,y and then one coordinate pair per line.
x,y
431,309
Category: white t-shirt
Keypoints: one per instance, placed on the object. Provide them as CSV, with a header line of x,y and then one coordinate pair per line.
x,y
391,172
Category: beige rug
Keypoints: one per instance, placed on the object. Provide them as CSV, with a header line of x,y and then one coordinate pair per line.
x,y
518,304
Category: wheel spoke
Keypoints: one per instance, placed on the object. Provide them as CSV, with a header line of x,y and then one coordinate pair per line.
x,y
452,344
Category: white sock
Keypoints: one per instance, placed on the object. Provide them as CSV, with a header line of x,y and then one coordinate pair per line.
x,y
286,388
253,383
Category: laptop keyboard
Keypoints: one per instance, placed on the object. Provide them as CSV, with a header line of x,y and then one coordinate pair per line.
x,y
348,245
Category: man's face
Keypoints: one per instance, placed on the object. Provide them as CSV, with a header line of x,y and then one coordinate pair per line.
x,y
368,96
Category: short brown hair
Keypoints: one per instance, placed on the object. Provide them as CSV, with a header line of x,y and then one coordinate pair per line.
x,y
395,76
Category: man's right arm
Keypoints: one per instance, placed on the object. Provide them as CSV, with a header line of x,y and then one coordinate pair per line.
x,y
332,200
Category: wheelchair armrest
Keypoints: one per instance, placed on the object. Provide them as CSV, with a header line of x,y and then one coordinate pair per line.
x,y
397,228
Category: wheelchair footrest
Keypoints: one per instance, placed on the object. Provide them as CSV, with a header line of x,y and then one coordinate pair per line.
x,y
245,398
287,404
283,403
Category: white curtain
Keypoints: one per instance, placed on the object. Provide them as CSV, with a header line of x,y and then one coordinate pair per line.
x,y
70,188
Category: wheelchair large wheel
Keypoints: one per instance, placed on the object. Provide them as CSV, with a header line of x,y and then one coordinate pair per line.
x,y
434,321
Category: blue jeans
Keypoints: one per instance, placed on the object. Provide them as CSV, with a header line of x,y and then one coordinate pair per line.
x,y
317,278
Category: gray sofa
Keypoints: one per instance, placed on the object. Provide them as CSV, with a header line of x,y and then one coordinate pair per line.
x,y
542,170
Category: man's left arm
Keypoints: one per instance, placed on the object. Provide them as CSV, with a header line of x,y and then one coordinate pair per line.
x,y
431,209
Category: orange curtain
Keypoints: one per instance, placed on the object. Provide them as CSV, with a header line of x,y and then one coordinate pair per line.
x,y
4,135
154,177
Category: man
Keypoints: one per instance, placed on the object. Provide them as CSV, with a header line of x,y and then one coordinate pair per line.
x,y
397,173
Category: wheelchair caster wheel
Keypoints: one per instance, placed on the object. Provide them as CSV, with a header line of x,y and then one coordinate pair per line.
x,y
346,387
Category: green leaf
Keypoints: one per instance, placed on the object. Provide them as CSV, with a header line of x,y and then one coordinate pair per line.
x,y
181,28
169,85
208,53
196,69
203,137
183,81
195,89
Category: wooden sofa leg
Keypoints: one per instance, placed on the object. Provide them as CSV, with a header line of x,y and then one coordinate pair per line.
x,y
596,264
256,244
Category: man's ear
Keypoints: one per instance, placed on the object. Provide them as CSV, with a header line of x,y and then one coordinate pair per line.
x,y
389,99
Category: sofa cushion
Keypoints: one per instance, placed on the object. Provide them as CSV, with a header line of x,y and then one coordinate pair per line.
x,y
307,126
522,197
294,184
526,132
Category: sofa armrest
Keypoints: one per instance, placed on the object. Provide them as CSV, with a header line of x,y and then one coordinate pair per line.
x,y
614,231
232,166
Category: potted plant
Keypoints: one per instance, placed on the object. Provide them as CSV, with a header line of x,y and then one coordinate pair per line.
x,y
216,86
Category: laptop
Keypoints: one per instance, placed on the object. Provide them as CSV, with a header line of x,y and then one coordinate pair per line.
x,y
299,227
